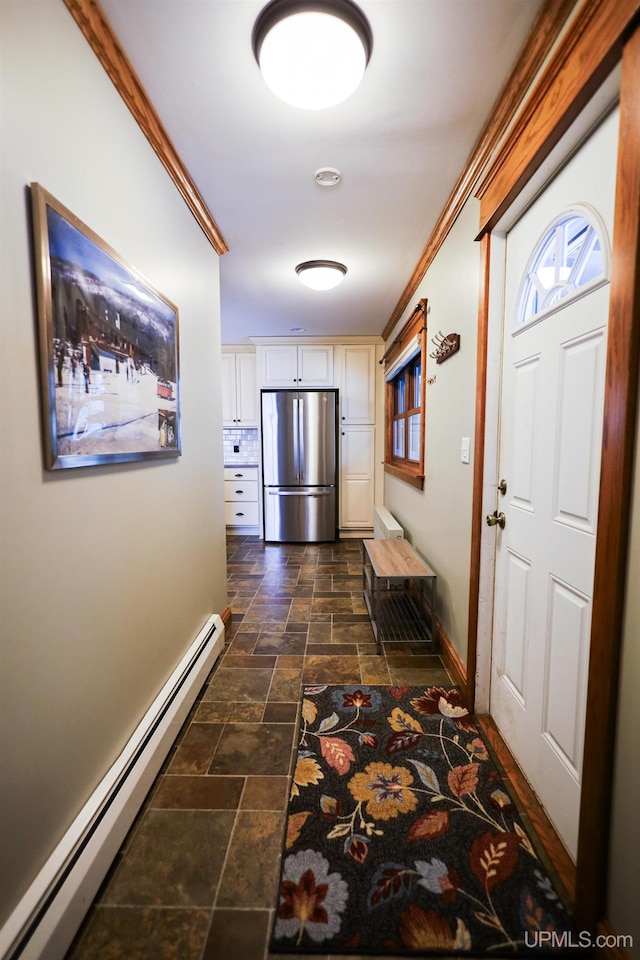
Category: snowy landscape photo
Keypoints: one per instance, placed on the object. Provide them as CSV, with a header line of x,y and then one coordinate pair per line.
x,y
108,349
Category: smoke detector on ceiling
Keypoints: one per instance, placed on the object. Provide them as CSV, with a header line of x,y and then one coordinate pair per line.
x,y
327,177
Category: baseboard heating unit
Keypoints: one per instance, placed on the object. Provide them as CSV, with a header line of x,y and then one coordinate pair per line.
x,y
385,525
45,921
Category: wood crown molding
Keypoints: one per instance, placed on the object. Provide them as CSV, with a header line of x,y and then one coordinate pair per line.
x,y
409,330
583,58
97,31
543,35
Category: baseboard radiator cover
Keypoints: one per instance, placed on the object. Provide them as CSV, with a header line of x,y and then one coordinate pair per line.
x,y
385,525
46,919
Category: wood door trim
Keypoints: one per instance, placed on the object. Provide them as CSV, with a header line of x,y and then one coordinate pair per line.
x,y
478,469
619,422
97,31
543,35
616,479
529,804
583,58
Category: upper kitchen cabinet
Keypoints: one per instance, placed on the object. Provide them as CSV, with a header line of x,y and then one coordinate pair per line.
x,y
239,389
296,365
357,366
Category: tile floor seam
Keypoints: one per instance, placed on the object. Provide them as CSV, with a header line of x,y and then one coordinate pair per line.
x,y
225,859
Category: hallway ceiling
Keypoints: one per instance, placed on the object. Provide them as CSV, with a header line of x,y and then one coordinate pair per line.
x,y
400,142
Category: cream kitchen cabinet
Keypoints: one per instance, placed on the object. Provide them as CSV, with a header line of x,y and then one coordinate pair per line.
x,y
241,496
239,390
357,447
357,382
296,365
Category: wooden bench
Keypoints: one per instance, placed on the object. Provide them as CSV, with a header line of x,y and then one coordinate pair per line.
x,y
394,579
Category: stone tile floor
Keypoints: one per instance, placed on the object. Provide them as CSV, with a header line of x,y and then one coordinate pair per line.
x,y
196,878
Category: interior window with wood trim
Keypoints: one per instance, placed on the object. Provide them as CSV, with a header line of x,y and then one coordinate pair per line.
x,y
405,400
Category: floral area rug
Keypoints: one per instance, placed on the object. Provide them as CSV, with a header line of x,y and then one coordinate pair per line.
x,y
401,838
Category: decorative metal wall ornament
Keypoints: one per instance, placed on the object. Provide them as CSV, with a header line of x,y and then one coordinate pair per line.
x,y
445,346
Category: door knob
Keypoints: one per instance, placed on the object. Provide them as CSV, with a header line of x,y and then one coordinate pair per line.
x,y
496,518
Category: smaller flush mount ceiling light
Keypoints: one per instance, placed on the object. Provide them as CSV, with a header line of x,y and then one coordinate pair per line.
x,y
312,53
321,274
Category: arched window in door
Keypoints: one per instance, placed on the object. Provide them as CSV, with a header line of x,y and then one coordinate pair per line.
x,y
570,259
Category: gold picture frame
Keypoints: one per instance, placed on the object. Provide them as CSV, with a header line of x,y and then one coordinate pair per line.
x,y
109,351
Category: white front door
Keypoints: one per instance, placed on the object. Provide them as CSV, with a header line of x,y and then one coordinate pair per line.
x,y
555,324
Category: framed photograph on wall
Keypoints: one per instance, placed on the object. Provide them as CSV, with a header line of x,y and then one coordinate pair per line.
x,y
109,357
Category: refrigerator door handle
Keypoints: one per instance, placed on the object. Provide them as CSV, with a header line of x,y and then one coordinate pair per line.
x,y
301,493
296,435
301,429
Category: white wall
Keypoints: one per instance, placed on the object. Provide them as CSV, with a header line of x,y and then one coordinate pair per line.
x,y
437,519
107,573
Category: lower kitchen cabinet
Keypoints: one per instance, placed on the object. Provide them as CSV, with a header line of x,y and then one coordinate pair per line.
x,y
356,476
241,503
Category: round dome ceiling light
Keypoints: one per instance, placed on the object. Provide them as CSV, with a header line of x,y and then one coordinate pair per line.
x,y
327,177
321,274
312,53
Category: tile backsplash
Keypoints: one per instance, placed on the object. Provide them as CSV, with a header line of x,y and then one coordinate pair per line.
x,y
244,438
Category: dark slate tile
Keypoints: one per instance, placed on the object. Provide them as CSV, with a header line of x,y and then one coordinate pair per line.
x,y
265,793
374,669
198,793
285,684
332,670
332,649
229,712
248,661
175,859
237,934
143,933
275,712
359,632
247,749
237,684
257,840
195,750
282,643
331,604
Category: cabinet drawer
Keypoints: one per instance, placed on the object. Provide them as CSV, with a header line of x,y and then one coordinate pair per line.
x,y
240,490
241,514
241,473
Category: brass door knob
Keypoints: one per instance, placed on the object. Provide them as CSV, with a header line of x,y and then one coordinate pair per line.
x,y
496,518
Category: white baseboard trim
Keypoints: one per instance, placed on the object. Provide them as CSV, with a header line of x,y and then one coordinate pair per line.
x,y
46,919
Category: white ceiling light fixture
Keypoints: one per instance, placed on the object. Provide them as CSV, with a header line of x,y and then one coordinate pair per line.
x,y
312,53
321,274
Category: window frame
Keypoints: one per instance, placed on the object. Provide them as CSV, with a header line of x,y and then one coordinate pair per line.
x,y
411,471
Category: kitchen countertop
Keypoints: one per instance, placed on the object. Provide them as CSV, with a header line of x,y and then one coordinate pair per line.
x,y
229,465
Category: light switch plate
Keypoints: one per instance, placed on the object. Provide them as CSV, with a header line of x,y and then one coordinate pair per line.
x,y
464,450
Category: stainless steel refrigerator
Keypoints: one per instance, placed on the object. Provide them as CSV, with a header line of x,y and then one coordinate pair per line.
x,y
299,465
